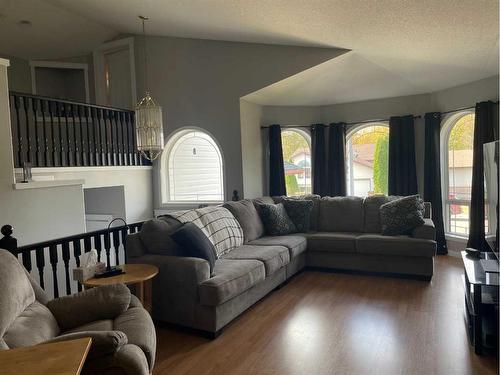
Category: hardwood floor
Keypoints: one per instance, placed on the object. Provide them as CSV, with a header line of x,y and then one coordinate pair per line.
x,y
330,323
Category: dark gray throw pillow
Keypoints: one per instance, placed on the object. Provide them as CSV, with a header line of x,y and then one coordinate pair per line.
x,y
276,220
401,215
299,211
194,243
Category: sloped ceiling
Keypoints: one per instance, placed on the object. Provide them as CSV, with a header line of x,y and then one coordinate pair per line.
x,y
398,47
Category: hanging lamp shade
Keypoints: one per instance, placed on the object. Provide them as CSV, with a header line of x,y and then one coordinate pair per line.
x,y
149,128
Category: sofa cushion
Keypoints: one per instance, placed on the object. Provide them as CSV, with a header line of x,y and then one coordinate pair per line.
x,y
371,205
244,211
276,219
155,236
341,214
273,257
427,231
231,278
315,198
295,243
339,242
33,326
194,243
395,245
402,215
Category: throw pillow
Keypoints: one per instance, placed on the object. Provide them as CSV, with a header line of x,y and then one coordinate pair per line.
x,y
194,243
401,215
155,236
299,211
244,211
276,220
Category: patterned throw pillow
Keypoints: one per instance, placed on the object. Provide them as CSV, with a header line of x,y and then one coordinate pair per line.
x,y
299,211
402,215
276,220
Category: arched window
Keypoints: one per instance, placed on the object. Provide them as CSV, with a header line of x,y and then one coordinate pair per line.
x,y
192,168
367,160
297,161
456,149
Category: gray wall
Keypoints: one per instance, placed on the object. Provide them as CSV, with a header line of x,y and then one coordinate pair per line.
x,y
19,74
199,83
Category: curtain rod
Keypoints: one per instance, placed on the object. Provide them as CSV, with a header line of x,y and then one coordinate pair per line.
x,y
379,120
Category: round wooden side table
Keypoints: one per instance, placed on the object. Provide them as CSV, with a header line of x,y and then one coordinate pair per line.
x,y
139,275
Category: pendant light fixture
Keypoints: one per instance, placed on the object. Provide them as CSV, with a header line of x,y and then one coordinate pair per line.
x,y
148,116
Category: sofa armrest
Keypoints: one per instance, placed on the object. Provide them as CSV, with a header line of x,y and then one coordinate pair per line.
x,y
105,302
103,342
175,289
426,231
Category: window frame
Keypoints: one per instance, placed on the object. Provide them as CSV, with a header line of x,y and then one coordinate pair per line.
x,y
348,159
307,136
164,169
447,124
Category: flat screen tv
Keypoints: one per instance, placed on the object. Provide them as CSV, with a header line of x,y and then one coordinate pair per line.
x,y
490,152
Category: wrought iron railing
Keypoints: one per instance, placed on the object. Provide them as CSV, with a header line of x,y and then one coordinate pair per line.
x,y
63,254
49,132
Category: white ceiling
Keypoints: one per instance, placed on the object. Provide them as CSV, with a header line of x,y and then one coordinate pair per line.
x,y
398,47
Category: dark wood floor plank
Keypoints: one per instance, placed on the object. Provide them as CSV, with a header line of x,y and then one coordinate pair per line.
x,y
328,323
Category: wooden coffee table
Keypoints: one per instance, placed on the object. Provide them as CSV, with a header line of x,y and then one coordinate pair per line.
x,y
64,358
139,275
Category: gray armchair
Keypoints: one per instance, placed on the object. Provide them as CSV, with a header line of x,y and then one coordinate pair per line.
x,y
122,332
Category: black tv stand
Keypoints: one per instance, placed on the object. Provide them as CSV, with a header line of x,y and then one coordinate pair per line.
x,y
481,303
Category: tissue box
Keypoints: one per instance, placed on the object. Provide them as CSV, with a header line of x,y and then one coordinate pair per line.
x,y
82,274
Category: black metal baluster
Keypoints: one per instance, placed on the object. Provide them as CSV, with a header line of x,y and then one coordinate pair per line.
x,y
34,108
61,137
107,247
102,134
66,109
77,251
29,157
87,244
66,257
98,246
90,137
53,133
97,136
53,262
116,245
45,136
20,153
109,136
82,142
76,136
134,139
124,154
40,264
26,258
116,127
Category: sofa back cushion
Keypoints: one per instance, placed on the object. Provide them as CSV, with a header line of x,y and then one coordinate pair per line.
x,y
245,212
16,292
341,214
371,206
33,326
155,236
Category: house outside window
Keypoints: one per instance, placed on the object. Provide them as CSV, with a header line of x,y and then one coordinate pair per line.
x,y
297,161
457,139
367,158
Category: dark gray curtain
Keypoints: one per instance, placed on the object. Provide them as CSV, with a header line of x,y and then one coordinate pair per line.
x,y
485,130
402,167
318,167
432,176
277,185
336,160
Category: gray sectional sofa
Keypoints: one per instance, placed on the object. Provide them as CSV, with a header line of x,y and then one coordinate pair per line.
x,y
344,235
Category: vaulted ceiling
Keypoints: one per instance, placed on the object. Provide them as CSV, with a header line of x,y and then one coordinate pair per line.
x,y
397,47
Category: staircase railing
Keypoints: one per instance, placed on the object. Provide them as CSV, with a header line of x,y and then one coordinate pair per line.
x,y
49,132
63,254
